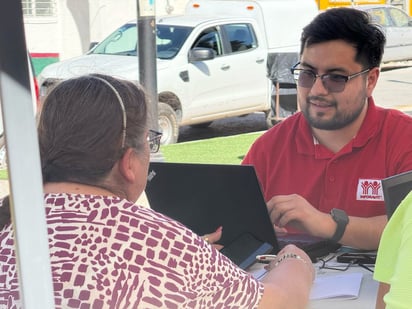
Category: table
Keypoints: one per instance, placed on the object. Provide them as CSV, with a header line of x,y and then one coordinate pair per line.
x,y
367,292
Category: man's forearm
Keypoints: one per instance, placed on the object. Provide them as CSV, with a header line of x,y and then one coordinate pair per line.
x,y
364,233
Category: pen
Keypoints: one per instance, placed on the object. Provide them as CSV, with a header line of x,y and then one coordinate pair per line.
x,y
266,258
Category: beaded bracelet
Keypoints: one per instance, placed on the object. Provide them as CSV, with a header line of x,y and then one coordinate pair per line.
x,y
289,256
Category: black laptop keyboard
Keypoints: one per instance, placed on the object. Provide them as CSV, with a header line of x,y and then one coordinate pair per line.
x,y
315,250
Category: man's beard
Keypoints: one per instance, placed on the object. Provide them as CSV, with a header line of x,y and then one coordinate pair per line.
x,y
339,120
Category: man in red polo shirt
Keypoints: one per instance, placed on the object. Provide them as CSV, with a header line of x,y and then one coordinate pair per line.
x,y
320,169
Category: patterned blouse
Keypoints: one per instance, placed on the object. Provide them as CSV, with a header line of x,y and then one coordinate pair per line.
x,y
109,253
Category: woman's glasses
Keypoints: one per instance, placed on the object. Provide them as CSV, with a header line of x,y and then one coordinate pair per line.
x,y
332,82
154,140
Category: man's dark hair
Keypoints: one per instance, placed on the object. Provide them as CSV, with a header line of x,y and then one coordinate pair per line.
x,y
352,26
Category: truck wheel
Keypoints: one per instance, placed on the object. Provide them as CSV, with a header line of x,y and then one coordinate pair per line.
x,y
168,124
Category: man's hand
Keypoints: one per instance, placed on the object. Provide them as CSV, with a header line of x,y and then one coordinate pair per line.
x,y
296,212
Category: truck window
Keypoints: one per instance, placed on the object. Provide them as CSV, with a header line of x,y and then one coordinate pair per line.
x,y
169,40
209,38
241,37
379,16
121,42
399,18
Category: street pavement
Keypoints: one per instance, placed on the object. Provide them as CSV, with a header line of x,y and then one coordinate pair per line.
x,y
394,89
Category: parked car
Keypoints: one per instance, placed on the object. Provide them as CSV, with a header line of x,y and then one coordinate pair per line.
x,y
212,63
398,29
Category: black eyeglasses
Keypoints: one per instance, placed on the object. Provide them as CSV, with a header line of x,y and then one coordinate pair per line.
x,y
331,81
342,266
154,140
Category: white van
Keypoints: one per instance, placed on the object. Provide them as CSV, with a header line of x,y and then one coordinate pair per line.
x,y
210,64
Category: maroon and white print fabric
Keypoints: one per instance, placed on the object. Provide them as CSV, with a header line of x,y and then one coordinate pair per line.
x,y
109,253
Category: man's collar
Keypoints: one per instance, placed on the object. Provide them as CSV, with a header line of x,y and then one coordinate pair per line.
x,y
305,142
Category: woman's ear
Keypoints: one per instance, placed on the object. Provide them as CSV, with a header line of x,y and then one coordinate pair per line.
x,y
127,165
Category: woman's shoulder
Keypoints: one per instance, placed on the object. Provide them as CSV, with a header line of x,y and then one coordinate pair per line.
x,y
105,208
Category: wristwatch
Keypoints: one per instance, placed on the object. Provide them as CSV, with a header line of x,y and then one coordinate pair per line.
x,y
341,219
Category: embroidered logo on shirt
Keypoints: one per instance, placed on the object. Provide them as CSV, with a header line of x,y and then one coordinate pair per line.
x,y
369,190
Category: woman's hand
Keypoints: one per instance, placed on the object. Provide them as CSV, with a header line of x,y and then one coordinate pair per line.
x,y
214,237
296,253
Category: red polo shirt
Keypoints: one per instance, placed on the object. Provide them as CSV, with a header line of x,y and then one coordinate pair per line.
x,y
288,160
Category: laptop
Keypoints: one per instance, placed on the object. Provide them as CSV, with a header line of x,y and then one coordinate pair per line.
x,y
206,196
395,189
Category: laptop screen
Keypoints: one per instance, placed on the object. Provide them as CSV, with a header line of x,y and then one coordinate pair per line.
x,y
206,196
395,189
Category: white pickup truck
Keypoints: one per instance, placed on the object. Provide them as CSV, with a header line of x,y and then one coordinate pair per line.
x,y
212,62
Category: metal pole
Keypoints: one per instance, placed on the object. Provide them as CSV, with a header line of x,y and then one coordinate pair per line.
x,y
146,37
146,25
27,205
